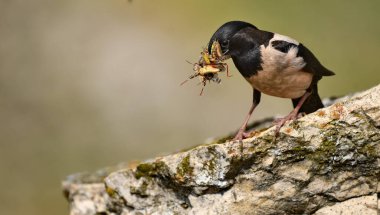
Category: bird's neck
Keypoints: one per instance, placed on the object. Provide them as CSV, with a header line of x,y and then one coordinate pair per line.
x,y
247,67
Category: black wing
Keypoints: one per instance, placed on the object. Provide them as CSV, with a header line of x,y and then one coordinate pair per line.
x,y
312,64
282,45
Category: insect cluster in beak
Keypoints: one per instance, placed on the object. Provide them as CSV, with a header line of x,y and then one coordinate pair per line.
x,y
209,65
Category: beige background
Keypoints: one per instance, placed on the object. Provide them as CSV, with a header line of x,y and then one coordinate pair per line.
x,y
90,83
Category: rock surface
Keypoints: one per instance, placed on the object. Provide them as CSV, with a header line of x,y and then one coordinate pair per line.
x,y
324,163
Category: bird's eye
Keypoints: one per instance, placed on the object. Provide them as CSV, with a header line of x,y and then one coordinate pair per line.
x,y
224,43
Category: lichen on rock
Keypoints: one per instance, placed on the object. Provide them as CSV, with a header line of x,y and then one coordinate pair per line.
x,y
327,159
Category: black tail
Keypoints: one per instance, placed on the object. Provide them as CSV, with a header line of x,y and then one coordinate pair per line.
x,y
312,103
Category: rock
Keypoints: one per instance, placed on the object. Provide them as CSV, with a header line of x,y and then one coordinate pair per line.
x,y
324,163
362,205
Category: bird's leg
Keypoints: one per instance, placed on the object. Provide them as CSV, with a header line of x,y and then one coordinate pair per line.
x,y
256,100
293,114
241,133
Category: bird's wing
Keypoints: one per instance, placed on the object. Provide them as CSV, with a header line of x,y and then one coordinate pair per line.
x,y
282,46
312,64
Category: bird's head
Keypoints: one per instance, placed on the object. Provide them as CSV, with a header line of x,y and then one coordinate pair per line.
x,y
224,34
211,60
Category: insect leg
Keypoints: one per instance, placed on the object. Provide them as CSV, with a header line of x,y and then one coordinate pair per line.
x,y
228,71
191,77
203,87
184,82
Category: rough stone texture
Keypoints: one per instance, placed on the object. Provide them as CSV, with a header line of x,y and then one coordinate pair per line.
x,y
366,205
324,163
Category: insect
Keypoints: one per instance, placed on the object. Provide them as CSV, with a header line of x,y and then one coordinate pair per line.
x,y
209,65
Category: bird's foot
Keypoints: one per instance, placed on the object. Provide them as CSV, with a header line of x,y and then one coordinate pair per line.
x,y
241,135
278,120
281,121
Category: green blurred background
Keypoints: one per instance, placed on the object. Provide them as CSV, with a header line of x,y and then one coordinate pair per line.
x,y
90,83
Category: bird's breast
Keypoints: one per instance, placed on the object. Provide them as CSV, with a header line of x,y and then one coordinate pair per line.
x,y
290,84
281,73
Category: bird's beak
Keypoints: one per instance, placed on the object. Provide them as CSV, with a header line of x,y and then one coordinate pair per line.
x,y
218,53
214,55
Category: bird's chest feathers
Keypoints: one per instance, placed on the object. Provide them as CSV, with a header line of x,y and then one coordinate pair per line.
x,y
281,73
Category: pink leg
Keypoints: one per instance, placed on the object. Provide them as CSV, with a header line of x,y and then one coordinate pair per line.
x,y
292,115
241,134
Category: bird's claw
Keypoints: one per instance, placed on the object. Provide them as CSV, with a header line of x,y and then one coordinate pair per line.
x,y
281,121
241,135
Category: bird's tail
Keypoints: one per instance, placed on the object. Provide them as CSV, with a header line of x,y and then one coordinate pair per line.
x,y
312,103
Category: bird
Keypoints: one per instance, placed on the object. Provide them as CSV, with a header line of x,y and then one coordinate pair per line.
x,y
273,64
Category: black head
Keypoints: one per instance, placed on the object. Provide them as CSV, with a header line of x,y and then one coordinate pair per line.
x,y
225,32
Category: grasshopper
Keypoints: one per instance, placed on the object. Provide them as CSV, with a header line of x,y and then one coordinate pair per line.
x,y
209,65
